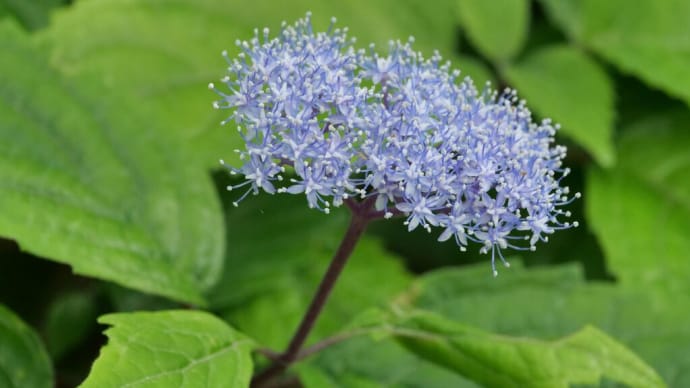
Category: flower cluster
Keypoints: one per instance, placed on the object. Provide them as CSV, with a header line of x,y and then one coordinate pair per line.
x,y
338,124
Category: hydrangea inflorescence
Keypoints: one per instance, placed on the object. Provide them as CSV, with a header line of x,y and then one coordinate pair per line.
x,y
322,118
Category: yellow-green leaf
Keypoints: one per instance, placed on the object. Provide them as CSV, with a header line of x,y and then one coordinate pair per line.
x,y
185,349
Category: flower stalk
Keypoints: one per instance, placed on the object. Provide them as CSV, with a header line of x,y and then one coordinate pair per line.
x,y
360,218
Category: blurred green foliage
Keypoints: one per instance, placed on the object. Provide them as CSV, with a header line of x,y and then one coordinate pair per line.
x,y
108,144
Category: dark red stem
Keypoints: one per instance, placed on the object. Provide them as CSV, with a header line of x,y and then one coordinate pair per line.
x,y
358,223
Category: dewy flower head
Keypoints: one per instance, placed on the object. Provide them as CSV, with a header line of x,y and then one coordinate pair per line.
x,y
321,118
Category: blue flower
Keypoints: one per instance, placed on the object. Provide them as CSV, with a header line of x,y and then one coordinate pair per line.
x,y
337,124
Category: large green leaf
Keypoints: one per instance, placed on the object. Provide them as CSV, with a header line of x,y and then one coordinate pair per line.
x,y
24,362
641,209
87,181
283,248
650,39
563,83
171,349
165,52
552,302
584,357
497,28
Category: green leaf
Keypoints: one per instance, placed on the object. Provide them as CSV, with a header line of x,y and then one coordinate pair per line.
x,y
641,209
551,302
24,362
563,83
498,28
171,349
364,362
471,295
650,40
70,320
167,51
32,14
90,181
268,297
493,360
475,69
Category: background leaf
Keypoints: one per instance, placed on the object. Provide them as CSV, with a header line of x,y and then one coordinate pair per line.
x,y
280,251
475,69
69,322
140,48
105,192
497,28
563,83
171,348
641,210
32,14
498,361
126,300
649,40
24,362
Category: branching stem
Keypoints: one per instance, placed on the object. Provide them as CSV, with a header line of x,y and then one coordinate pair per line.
x,y
361,216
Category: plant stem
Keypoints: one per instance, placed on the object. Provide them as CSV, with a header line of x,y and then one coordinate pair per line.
x,y
358,224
